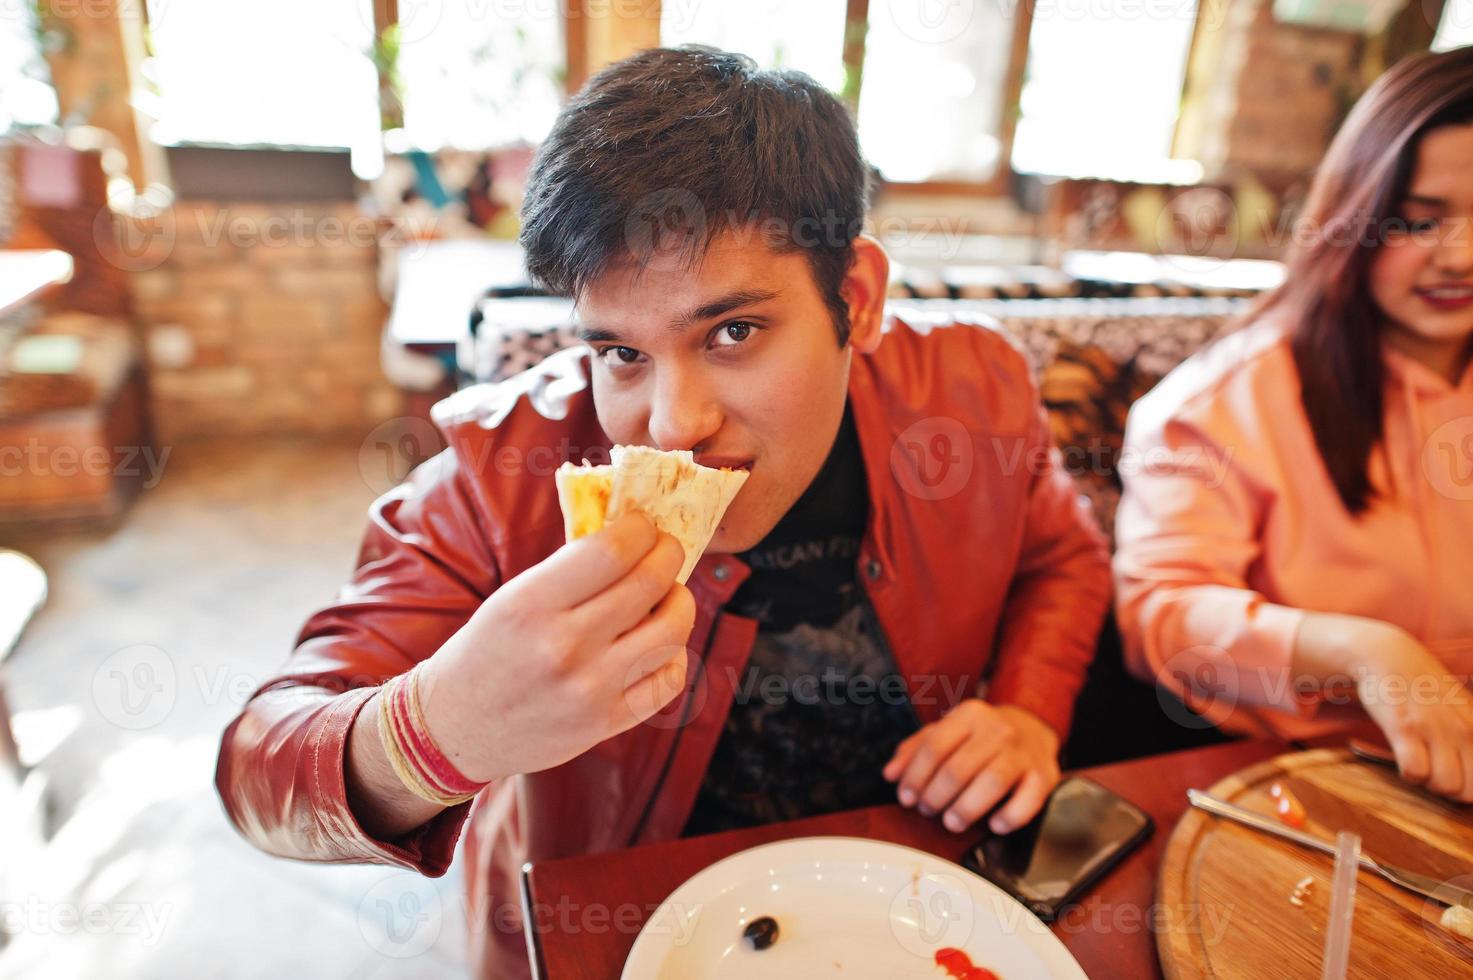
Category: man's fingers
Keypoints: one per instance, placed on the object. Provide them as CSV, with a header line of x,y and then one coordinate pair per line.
x,y
1028,798
626,603
646,696
904,752
650,644
938,741
985,789
582,569
957,772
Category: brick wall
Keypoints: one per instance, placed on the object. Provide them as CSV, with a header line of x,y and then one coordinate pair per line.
x,y
1265,98
264,318
1293,86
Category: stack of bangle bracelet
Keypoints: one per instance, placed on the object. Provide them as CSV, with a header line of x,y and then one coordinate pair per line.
x,y
417,760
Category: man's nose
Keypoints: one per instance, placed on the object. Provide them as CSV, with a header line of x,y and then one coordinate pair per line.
x,y
684,414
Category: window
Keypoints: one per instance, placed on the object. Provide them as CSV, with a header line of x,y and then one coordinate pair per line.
x,y
476,78
26,97
1102,90
267,72
1456,30
808,36
935,77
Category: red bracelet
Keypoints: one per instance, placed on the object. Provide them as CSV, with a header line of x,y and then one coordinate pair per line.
x,y
417,759
439,767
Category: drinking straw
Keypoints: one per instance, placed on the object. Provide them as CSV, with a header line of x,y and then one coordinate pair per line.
x,y
1342,905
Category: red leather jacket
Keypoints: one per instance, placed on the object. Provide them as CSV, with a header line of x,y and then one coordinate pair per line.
x,y
983,566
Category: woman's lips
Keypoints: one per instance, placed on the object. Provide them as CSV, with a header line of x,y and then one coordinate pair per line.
x,y
1446,298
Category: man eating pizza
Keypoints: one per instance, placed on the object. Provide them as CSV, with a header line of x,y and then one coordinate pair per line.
x,y
899,600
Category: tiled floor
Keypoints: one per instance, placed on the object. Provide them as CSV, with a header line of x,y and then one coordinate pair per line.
x,y
153,636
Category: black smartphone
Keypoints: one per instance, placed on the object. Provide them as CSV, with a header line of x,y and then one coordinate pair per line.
x,y
1082,832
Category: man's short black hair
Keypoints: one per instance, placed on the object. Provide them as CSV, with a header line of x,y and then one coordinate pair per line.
x,y
660,152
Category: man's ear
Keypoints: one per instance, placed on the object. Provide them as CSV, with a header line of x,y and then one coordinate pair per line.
x,y
864,288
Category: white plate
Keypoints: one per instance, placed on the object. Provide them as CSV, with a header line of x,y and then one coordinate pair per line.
x,y
845,907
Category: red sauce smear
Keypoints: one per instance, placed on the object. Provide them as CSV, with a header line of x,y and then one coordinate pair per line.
x,y
959,965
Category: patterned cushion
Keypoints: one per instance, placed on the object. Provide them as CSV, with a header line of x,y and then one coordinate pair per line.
x,y
1087,395
1093,359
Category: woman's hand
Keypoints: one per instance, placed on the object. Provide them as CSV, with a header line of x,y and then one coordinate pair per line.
x,y
1424,711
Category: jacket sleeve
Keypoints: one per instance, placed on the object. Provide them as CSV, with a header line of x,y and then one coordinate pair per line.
x,y
1059,594
421,571
1187,532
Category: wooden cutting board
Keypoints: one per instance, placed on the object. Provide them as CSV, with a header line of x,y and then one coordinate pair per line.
x,y
1223,894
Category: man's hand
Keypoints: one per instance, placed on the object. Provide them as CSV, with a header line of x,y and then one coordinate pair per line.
x,y
574,650
968,761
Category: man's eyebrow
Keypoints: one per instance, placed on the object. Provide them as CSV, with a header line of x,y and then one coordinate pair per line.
x,y
727,303
593,335
1425,201
706,311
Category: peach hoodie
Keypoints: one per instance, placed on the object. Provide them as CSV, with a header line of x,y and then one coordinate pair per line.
x,y
1230,528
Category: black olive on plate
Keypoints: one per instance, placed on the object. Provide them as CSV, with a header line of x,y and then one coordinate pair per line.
x,y
761,933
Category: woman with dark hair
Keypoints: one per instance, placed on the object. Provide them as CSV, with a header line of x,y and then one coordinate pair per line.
x,y
1296,537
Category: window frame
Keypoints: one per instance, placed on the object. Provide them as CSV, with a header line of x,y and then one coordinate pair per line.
x,y
1001,182
578,55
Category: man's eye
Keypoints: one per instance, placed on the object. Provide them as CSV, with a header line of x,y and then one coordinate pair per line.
x,y
621,355
732,334
1423,225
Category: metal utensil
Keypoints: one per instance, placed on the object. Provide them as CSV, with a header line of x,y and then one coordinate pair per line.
x,y
1371,752
1424,885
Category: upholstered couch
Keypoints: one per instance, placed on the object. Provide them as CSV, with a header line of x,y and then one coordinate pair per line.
x,y
1092,357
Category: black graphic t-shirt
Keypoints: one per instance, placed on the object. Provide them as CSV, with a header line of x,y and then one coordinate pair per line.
x,y
819,708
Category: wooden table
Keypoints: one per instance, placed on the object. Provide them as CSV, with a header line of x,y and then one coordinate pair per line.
x,y
1109,932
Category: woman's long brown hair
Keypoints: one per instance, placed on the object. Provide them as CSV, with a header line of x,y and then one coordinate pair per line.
x,y
1326,298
